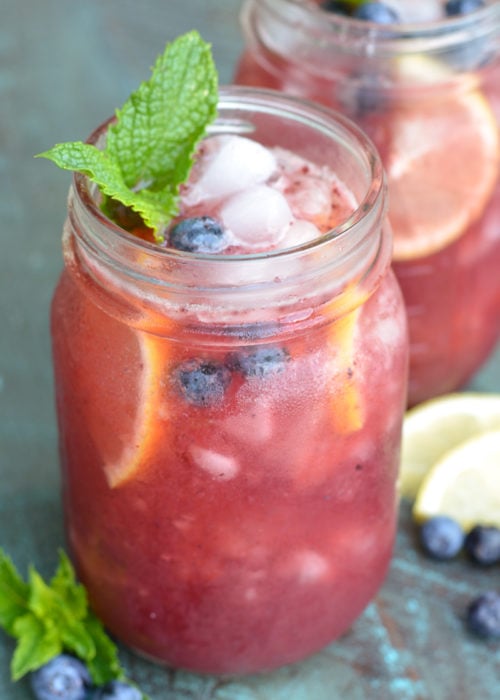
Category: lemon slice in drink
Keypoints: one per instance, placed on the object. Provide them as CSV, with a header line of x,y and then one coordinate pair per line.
x,y
148,427
464,484
438,425
442,161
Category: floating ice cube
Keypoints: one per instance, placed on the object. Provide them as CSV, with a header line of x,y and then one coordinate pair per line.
x,y
310,197
417,11
300,232
255,427
258,217
222,467
234,165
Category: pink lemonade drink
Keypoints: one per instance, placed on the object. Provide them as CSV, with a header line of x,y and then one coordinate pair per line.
x,y
426,89
230,419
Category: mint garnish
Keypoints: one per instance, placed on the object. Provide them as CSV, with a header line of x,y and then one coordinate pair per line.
x,y
49,618
149,148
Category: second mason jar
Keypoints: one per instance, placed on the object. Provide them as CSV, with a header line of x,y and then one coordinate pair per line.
x,y
428,95
230,423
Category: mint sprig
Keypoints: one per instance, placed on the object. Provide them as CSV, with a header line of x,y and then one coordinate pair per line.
x,y
150,146
49,618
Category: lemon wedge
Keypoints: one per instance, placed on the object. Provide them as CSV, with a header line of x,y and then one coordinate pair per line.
x,y
438,425
464,484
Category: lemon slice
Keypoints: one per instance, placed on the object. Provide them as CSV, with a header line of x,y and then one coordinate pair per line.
x,y
438,425
442,161
464,484
149,427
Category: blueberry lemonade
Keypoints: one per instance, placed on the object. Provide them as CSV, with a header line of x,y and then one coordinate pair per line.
x,y
423,81
230,356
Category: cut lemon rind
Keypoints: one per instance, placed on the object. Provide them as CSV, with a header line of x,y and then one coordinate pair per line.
x,y
464,484
438,425
150,426
347,403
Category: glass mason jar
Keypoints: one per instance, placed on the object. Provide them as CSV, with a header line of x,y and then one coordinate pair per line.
x,y
428,95
248,525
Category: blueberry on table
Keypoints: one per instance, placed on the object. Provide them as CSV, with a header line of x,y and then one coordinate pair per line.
x,y
482,545
259,362
483,615
203,382
454,8
377,12
200,234
62,678
441,537
117,690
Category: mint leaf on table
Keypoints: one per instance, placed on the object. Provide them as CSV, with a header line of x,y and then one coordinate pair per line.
x,y
14,594
49,618
150,146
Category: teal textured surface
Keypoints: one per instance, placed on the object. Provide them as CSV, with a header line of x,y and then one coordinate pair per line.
x,y
64,67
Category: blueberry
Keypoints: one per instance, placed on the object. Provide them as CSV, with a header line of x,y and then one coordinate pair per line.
x,y
117,690
482,545
441,537
376,12
259,362
203,382
62,678
483,615
462,7
336,6
362,93
201,234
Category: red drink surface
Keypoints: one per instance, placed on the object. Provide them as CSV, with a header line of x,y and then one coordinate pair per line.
x,y
242,534
450,281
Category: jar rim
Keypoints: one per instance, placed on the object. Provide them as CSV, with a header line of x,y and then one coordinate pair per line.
x,y
265,101
359,36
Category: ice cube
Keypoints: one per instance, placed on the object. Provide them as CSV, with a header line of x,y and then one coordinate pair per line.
x,y
255,427
235,164
422,11
310,197
258,217
221,466
301,231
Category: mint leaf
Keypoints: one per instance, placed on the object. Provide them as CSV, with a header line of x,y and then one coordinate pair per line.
x,y
103,665
157,129
49,618
150,147
64,583
36,645
14,594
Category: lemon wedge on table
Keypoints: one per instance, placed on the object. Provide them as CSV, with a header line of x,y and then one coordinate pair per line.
x,y
464,484
434,427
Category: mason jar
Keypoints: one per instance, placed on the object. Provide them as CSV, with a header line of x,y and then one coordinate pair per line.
x,y
230,424
428,95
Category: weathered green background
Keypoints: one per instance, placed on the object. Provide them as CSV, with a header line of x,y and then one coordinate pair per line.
x,y
64,66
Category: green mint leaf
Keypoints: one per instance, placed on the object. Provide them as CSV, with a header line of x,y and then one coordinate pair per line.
x,y
49,618
104,665
14,594
157,129
36,645
150,147
64,583
156,208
